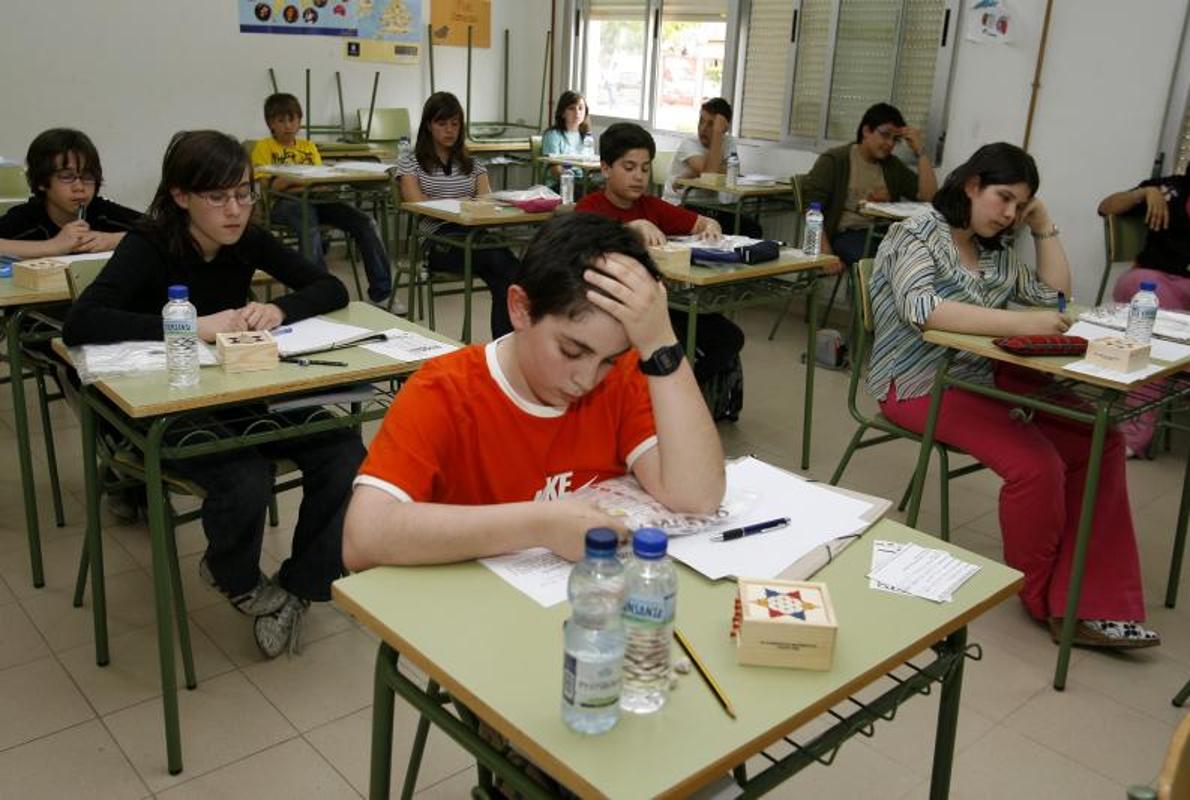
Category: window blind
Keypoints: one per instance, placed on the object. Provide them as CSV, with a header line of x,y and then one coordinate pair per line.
x,y
864,62
762,104
921,36
810,72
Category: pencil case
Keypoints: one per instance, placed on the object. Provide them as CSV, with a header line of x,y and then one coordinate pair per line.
x,y
1042,345
759,253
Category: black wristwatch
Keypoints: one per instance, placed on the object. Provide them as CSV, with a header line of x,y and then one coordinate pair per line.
x,y
664,361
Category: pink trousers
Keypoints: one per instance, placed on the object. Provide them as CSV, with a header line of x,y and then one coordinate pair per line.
x,y
1044,464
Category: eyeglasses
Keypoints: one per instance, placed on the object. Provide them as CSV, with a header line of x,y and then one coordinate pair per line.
x,y
221,197
70,177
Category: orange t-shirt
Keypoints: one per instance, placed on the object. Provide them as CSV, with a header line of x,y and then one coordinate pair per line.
x,y
458,433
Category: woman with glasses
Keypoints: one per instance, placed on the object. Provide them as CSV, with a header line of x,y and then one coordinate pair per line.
x,y
198,232
65,214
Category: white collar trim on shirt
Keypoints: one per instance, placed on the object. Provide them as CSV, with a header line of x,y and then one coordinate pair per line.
x,y
528,406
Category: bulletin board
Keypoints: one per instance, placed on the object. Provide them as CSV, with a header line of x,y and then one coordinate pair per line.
x,y
449,20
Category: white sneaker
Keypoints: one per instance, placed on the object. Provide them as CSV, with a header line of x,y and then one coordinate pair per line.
x,y
264,598
281,630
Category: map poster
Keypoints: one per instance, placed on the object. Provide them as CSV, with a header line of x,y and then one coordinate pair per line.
x,y
376,30
449,20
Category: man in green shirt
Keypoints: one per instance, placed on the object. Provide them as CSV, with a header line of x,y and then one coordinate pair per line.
x,y
844,176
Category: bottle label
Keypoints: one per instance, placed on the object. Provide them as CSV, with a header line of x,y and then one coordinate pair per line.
x,y
650,610
590,685
180,327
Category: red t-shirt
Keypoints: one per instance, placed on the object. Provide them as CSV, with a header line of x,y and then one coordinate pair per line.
x,y
458,433
672,220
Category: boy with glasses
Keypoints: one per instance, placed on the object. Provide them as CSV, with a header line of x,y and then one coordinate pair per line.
x,y
847,175
65,213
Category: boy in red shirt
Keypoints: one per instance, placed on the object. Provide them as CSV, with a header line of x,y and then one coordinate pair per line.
x,y
479,451
627,152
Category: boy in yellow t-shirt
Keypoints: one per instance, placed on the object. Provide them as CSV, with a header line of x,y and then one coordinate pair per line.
x,y
283,113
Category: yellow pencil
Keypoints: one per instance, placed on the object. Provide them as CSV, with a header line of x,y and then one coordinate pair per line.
x,y
720,695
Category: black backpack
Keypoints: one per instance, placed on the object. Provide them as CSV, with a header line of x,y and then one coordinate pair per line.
x,y
724,391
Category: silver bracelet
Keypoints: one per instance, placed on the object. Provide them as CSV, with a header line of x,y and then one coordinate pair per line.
x,y
1054,232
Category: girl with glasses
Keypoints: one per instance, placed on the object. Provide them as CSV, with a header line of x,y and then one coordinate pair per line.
x,y
198,232
65,214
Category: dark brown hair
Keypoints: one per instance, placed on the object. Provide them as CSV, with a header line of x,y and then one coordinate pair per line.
x,y
441,106
42,159
568,99
281,104
992,164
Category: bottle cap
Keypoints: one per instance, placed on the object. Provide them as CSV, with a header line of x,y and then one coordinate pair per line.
x,y
602,543
179,292
649,543
1148,286
816,206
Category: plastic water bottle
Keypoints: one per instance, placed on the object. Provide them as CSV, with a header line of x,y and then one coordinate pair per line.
x,y
730,178
649,604
812,234
1142,313
404,147
593,662
566,182
588,146
180,320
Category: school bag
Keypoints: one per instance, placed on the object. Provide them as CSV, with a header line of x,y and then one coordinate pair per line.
x,y
723,391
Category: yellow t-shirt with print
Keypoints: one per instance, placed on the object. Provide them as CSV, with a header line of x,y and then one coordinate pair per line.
x,y
270,151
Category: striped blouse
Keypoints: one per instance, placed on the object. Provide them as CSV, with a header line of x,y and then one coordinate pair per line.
x,y
917,268
438,185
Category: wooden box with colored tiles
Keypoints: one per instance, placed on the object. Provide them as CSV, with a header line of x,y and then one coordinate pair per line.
x,y
785,624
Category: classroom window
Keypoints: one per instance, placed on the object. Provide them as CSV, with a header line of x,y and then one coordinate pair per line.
x,y
811,67
655,61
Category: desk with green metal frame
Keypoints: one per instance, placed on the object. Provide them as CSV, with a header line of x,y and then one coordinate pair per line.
x,y
589,166
336,151
1094,401
311,189
476,225
699,289
144,409
24,325
497,654
779,191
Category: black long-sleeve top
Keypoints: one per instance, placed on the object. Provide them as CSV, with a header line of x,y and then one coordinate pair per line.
x,y
125,300
30,221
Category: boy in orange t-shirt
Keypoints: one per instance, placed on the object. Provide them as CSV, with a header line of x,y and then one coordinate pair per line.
x,y
479,451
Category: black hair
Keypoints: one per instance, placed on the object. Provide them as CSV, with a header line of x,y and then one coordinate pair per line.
x,y
568,99
552,271
878,115
195,161
718,105
281,104
621,137
49,151
992,164
442,106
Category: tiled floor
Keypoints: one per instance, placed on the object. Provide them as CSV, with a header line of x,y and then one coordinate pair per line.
x,y
300,727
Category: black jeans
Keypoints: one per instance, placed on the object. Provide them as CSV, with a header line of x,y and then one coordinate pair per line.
x,y
355,223
238,486
497,268
749,226
849,245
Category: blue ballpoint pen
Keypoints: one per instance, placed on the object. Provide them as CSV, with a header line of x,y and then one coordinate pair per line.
x,y
748,530
1061,302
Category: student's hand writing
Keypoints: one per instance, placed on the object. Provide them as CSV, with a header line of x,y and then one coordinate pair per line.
x,y
1157,208
71,234
635,298
568,523
229,321
1043,323
649,233
913,138
262,316
708,229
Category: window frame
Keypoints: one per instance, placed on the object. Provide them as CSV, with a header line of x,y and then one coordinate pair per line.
x,y
574,51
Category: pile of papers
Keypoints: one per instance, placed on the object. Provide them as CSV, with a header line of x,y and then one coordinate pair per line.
x,y
1161,349
1170,325
918,571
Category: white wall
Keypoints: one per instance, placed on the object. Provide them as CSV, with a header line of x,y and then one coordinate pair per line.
x,y
132,73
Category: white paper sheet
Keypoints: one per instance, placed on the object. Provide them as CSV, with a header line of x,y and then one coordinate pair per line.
x,y
450,206
69,259
925,572
403,345
315,333
1085,367
300,170
819,515
377,167
96,362
1171,325
882,553
903,210
537,572
1161,349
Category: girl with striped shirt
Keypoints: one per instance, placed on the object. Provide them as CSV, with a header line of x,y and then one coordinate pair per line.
x,y
440,168
949,270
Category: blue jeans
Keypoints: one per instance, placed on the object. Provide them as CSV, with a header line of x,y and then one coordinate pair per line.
x,y
355,223
849,245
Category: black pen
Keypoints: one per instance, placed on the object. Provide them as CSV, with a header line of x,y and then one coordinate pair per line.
x,y
314,362
748,530
1061,302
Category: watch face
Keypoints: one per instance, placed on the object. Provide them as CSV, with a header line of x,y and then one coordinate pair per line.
x,y
663,361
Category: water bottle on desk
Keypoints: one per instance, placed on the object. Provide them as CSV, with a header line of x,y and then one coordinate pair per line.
x,y
180,321
566,184
649,605
588,147
593,661
1142,313
812,234
730,178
